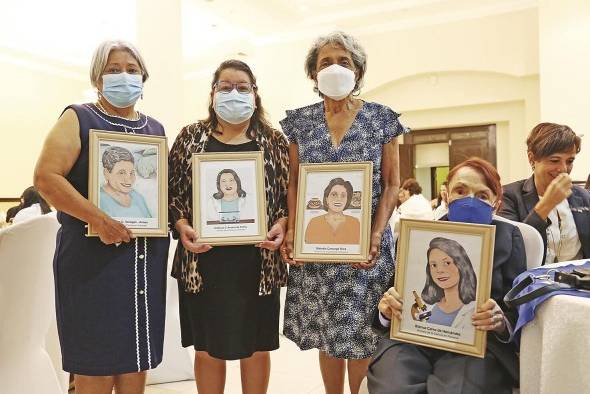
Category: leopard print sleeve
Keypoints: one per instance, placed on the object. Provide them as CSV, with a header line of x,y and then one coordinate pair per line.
x,y
282,174
275,147
179,189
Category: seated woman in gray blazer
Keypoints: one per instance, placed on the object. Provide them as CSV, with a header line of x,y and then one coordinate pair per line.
x,y
403,368
548,200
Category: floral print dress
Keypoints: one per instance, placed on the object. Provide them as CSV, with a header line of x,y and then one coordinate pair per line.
x,y
330,306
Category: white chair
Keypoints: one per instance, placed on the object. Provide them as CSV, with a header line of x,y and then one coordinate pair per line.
x,y
177,362
27,308
533,243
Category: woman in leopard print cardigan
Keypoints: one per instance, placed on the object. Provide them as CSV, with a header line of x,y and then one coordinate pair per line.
x,y
229,295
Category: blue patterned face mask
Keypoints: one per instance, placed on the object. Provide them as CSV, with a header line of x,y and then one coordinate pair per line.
x,y
234,107
470,210
122,89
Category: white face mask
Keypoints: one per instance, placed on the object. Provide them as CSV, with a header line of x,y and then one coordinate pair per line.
x,y
336,81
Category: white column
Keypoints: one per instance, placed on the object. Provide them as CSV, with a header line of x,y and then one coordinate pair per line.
x,y
159,38
564,66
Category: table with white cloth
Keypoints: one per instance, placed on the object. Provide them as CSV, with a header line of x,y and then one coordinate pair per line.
x,y
555,346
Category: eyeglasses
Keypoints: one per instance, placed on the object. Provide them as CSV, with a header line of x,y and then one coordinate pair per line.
x,y
118,70
227,87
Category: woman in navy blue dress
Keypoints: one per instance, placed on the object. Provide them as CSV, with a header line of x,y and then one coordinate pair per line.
x,y
329,306
110,290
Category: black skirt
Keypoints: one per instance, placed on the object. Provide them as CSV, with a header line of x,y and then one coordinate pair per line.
x,y
227,318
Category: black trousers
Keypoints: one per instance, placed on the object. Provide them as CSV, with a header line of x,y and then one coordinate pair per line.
x,y
410,369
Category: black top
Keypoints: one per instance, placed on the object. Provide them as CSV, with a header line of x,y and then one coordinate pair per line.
x,y
228,318
214,145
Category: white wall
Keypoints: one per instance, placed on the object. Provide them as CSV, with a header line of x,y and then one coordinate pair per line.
x,y
432,155
423,178
430,101
31,100
476,71
564,48
495,44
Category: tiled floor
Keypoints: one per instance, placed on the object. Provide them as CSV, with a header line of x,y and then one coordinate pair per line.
x,y
292,372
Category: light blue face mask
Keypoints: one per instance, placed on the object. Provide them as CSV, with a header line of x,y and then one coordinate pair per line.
x,y
122,90
234,107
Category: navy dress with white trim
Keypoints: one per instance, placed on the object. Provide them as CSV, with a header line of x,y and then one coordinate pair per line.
x,y
110,301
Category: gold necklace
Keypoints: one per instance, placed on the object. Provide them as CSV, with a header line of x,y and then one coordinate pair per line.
x,y
104,111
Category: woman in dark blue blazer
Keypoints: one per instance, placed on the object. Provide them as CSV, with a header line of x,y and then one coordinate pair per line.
x,y
548,200
403,368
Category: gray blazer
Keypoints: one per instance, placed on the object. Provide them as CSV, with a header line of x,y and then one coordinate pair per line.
x,y
520,198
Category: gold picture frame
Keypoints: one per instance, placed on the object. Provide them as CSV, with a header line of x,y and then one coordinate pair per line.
x,y
469,251
343,235
237,221
134,192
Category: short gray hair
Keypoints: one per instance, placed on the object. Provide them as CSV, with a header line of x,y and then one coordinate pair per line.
x,y
101,56
346,42
114,154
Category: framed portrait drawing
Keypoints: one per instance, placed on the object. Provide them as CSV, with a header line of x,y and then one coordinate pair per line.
x,y
128,180
443,272
333,220
229,203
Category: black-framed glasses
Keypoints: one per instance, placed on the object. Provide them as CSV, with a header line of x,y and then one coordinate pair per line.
x,y
227,87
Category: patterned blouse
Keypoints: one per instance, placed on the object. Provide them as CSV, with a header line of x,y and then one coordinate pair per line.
x,y
192,139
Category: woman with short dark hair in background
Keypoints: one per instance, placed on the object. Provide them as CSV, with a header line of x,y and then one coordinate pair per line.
x,y
548,200
414,205
11,213
31,205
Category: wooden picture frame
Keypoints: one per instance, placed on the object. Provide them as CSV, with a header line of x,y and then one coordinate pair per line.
x,y
337,231
134,190
239,220
467,258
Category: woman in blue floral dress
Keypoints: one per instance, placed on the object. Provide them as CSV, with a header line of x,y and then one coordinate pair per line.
x,y
330,306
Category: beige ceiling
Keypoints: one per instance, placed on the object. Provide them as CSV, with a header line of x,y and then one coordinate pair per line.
x,y
63,32
234,26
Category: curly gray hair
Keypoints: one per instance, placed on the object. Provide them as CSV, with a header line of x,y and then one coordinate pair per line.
x,y
114,154
101,56
346,42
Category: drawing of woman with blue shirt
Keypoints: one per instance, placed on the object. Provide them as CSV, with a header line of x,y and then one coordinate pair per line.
x,y
450,284
117,197
229,199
